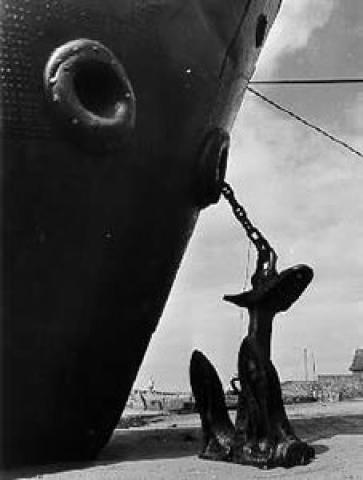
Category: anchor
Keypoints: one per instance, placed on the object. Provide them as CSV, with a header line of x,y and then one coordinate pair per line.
x,y
262,435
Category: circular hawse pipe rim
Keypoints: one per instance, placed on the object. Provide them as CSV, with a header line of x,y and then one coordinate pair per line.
x,y
90,94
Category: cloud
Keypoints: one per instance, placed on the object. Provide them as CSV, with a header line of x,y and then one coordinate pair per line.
x,y
292,30
354,115
306,195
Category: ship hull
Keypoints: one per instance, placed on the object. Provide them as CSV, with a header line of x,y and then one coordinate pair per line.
x,y
95,223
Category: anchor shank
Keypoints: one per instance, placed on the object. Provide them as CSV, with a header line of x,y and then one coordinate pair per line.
x,y
260,328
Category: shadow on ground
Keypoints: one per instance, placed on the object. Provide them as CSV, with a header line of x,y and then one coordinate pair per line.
x,y
126,445
314,429
168,443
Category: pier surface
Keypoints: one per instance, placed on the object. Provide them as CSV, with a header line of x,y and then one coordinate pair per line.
x,y
166,447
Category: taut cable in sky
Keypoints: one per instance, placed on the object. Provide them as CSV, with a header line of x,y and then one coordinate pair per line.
x,y
308,124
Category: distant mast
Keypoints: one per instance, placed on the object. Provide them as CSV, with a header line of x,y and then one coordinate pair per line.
x,y
314,366
306,374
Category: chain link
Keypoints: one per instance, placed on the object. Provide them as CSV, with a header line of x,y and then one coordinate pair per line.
x,y
267,256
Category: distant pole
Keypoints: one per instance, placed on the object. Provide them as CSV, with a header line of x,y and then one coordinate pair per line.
x,y
306,364
314,366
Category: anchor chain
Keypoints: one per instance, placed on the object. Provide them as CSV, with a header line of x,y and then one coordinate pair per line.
x,y
267,257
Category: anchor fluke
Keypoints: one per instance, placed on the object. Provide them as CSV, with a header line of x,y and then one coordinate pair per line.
x,y
218,430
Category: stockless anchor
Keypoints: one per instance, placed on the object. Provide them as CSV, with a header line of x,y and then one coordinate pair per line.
x,y
262,434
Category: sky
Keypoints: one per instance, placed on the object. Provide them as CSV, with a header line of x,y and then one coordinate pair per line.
x,y
304,193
